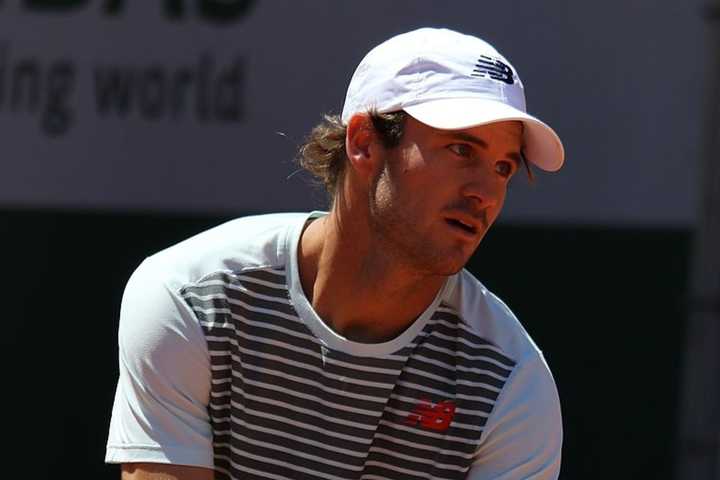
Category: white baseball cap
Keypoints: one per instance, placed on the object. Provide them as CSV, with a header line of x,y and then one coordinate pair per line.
x,y
450,81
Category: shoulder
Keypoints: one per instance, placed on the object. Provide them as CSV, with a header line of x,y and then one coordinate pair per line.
x,y
487,319
161,408
243,243
487,316
154,294
523,434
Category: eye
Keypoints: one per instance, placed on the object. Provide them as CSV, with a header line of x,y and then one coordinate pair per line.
x,y
505,168
461,149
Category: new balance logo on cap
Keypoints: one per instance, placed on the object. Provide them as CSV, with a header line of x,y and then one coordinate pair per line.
x,y
493,68
436,416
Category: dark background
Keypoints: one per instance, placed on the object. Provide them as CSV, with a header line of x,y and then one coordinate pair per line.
x,y
606,305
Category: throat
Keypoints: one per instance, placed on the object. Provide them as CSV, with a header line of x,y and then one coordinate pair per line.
x,y
356,291
371,314
363,332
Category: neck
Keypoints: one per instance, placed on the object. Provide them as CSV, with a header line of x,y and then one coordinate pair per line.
x,y
352,284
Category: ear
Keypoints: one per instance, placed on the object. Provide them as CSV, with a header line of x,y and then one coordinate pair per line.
x,y
359,143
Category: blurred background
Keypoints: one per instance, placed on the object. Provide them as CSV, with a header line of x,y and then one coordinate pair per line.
x,y
128,126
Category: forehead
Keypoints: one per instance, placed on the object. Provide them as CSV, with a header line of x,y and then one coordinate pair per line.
x,y
507,133
509,128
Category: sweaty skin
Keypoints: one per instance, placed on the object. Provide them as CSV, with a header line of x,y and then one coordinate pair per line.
x,y
403,220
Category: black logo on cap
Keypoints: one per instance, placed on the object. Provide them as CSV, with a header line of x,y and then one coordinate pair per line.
x,y
493,68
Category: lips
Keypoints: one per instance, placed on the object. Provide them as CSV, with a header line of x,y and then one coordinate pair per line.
x,y
467,227
470,223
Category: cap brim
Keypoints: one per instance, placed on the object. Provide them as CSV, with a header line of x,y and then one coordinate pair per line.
x,y
542,146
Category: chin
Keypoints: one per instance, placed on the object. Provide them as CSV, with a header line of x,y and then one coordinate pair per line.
x,y
446,265
453,269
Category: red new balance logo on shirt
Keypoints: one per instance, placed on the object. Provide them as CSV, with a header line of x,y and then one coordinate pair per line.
x,y
433,416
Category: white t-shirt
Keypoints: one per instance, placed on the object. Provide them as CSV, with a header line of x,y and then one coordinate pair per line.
x,y
224,364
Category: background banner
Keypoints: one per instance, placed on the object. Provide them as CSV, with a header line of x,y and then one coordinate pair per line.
x,y
198,106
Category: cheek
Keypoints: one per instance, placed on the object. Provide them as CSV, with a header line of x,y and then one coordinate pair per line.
x,y
383,194
402,202
500,203
412,186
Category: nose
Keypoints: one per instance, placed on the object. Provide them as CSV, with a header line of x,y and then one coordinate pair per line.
x,y
484,189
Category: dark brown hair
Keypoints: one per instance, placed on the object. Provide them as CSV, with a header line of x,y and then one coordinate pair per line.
x,y
323,153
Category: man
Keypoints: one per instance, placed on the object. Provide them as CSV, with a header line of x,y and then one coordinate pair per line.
x,y
353,344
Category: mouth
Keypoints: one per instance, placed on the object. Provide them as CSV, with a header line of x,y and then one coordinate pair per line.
x,y
463,226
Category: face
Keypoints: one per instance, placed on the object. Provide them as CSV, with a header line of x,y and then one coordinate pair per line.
x,y
435,195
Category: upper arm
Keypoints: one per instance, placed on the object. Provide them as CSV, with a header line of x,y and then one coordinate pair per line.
x,y
523,437
160,471
160,409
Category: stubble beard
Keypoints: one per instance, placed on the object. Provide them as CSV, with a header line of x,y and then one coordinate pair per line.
x,y
397,236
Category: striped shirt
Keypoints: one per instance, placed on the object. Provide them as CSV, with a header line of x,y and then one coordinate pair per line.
x,y
225,364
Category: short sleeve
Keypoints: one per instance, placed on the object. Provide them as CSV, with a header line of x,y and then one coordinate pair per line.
x,y
523,437
160,409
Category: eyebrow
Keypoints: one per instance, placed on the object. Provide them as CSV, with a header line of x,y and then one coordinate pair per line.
x,y
514,156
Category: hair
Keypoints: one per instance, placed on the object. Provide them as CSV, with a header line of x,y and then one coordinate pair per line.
x,y
526,164
323,152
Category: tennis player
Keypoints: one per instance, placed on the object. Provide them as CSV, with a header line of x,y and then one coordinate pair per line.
x,y
352,344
